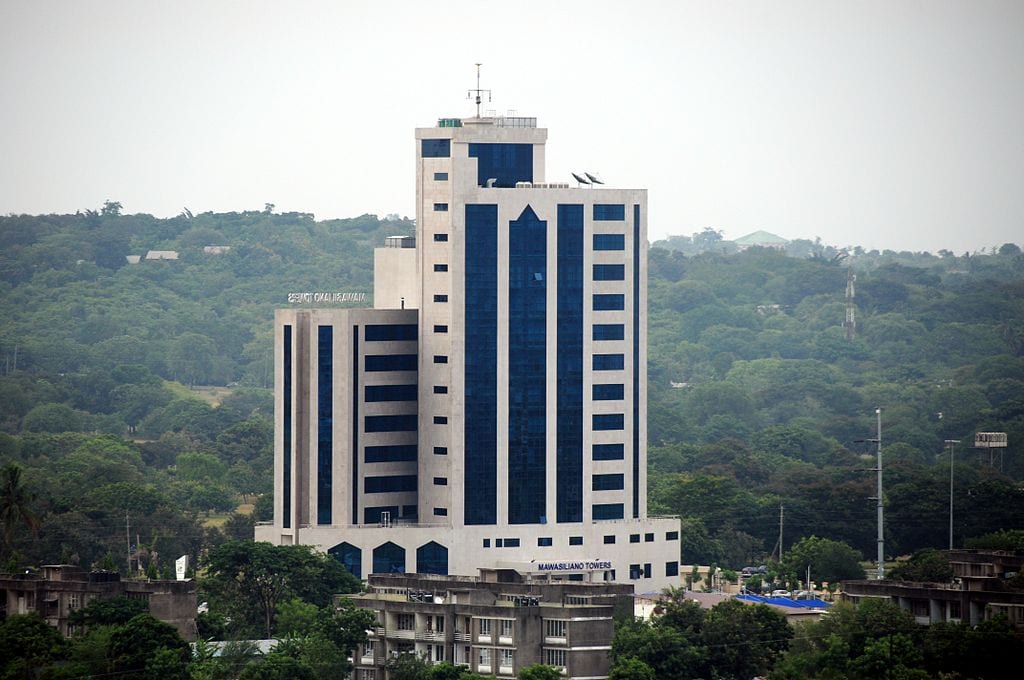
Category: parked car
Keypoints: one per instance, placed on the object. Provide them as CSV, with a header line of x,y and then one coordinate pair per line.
x,y
781,593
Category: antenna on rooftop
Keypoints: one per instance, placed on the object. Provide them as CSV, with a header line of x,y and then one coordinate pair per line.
x,y
478,92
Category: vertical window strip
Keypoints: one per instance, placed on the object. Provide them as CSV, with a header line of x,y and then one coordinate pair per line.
x,y
481,364
637,245
286,462
325,422
569,437
527,371
355,425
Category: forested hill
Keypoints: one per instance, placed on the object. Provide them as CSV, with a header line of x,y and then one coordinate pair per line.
x,y
757,398
71,302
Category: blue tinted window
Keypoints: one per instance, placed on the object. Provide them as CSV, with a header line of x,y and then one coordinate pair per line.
x,y
609,302
436,148
527,369
544,541
569,389
613,482
390,362
440,420
373,515
440,450
609,362
350,557
671,535
481,364
440,207
391,392
440,481
325,422
637,249
440,176
608,451
390,454
440,328
390,484
440,267
390,423
410,511
608,392
671,569
440,298
609,242
511,543
432,558
286,462
441,237
400,331
634,538
609,331
354,426
609,211
441,512
504,163
389,559
440,359
609,272
608,511
440,389
608,540
609,421
575,540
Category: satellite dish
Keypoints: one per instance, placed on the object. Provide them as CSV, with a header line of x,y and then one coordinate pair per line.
x,y
579,179
593,179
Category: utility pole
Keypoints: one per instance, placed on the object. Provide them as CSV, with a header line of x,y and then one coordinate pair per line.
x,y
881,525
780,531
851,321
951,443
128,540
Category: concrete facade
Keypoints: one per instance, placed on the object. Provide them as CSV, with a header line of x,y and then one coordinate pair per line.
x,y
494,627
59,590
977,592
529,302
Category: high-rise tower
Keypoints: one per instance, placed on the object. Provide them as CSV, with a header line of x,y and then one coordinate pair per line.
x,y
517,367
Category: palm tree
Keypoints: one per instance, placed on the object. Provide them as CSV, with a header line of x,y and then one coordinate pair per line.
x,y
15,503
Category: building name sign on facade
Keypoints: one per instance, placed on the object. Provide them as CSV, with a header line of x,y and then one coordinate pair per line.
x,y
574,566
989,440
322,297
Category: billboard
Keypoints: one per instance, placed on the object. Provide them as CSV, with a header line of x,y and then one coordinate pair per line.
x,y
990,440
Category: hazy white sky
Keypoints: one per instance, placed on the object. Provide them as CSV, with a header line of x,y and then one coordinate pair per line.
x,y
888,124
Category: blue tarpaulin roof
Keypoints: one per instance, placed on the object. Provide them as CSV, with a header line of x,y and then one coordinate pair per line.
x,y
785,602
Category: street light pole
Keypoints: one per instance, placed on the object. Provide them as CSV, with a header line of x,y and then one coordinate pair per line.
x,y
881,531
951,443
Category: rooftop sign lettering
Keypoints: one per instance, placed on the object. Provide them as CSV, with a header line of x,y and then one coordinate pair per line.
x,y
306,298
581,565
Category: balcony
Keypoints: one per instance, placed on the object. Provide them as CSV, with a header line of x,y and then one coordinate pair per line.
x,y
459,636
430,635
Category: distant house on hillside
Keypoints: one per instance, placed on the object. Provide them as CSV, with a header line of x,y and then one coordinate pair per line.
x,y
162,255
761,239
216,250
133,259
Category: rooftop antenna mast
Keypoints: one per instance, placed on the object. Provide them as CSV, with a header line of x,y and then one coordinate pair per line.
x,y
478,92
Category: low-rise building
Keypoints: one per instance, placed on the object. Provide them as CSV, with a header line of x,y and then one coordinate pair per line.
x,y
57,590
496,624
978,591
